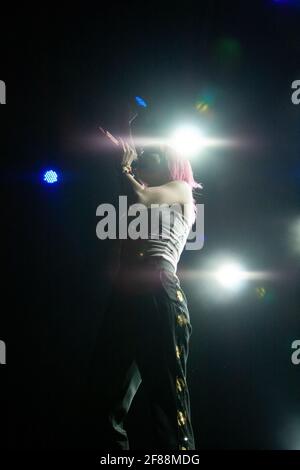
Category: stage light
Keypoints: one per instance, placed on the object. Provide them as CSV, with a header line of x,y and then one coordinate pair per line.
x,y
231,276
187,140
293,3
50,177
141,102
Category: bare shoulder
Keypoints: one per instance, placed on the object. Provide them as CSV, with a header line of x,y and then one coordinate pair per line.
x,y
168,193
181,187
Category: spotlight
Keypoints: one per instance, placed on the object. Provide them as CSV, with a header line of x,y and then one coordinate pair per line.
x,y
187,140
231,276
50,177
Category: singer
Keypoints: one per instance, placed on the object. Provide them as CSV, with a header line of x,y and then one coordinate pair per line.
x,y
146,328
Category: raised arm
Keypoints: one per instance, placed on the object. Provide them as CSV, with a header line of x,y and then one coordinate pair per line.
x,y
168,193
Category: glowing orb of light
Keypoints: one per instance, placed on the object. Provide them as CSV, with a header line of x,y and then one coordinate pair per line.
x,y
231,276
50,177
187,140
141,102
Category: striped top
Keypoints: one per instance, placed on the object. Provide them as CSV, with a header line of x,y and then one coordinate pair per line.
x,y
163,232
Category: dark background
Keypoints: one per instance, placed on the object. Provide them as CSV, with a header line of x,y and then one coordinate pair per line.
x,y
68,72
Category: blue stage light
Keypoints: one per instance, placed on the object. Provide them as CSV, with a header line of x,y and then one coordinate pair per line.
x,y
50,177
141,102
294,3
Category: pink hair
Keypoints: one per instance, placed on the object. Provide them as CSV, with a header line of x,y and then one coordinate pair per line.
x,y
179,167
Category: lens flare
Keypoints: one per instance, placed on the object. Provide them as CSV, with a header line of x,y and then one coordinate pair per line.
x,y
231,276
260,292
187,140
141,102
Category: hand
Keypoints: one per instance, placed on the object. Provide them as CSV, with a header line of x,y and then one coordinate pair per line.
x,y
129,154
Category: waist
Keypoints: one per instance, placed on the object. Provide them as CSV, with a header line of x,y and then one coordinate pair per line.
x,y
159,262
135,254
143,276
146,263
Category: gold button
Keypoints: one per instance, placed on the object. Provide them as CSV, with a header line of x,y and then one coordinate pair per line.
x,y
181,319
181,419
179,295
141,253
178,352
179,384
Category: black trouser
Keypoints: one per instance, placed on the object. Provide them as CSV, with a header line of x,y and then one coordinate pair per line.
x,y
144,338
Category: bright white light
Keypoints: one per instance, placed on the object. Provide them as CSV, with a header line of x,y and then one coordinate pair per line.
x,y
187,140
231,275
